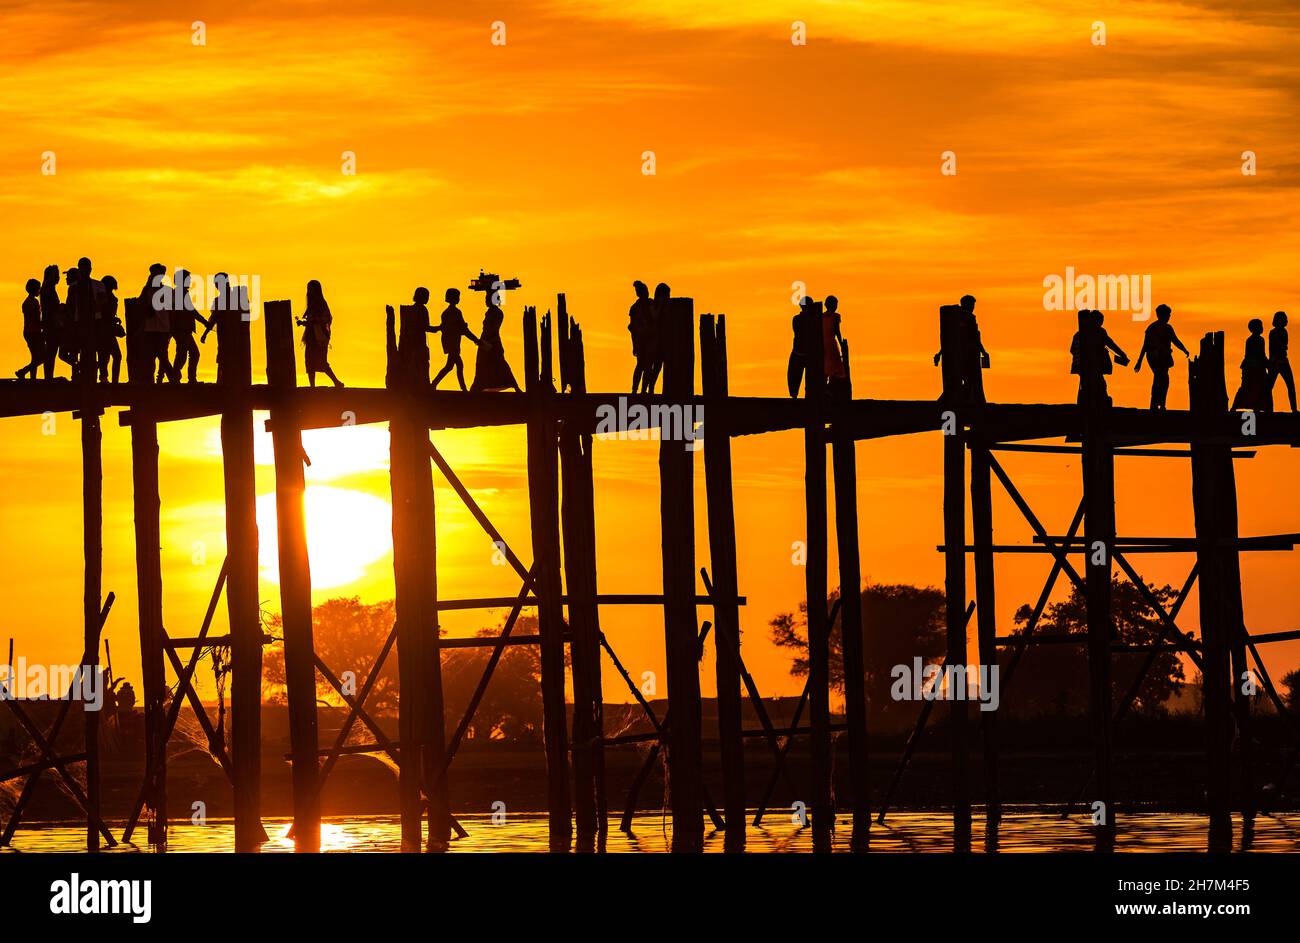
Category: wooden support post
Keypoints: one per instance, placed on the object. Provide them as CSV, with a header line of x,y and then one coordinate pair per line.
x,y
981,512
1209,399
420,706
148,560
815,581
681,632
400,376
295,575
1233,625
148,567
92,509
243,604
543,474
844,462
1098,465
578,513
722,555
1237,641
410,632
954,538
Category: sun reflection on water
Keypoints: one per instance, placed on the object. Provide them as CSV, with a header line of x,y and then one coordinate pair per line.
x,y
905,832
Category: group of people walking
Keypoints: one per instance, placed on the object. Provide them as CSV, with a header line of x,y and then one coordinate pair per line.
x,y
83,329
1092,347
162,335
816,326
54,329
1094,354
1261,367
491,369
644,323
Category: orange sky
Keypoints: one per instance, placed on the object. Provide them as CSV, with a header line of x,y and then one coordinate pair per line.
x,y
776,163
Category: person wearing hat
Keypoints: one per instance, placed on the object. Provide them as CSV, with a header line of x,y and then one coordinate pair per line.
x,y
108,328
68,341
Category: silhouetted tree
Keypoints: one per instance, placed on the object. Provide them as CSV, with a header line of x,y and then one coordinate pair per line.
x,y
1291,683
1053,678
511,708
349,634
900,622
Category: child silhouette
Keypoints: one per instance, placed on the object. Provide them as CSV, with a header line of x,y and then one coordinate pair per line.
x,y
452,326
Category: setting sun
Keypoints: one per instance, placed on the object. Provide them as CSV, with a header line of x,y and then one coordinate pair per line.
x,y
348,531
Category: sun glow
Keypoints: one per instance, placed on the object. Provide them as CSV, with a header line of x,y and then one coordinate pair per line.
x,y
347,532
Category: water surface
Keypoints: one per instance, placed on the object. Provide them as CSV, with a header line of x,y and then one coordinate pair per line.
x,y
1024,831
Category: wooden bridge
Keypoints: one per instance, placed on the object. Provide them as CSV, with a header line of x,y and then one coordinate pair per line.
x,y
560,416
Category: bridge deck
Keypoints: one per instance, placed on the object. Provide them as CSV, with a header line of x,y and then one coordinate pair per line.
x,y
327,407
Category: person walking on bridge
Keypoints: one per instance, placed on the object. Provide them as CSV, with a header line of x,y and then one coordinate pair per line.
x,y
318,327
1158,348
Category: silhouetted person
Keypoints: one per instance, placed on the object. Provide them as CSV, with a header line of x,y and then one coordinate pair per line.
x,y
1090,350
655,355
32,330
155,291
1158,348
1078,345
1278,363
413,351
108,328
645,347
156,299
51,319
182,322
318,326
221,300
832,359
1253,393
230,304
1121,358
452,326
88,306
962,373
805,326
491,369
977,358
68,320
